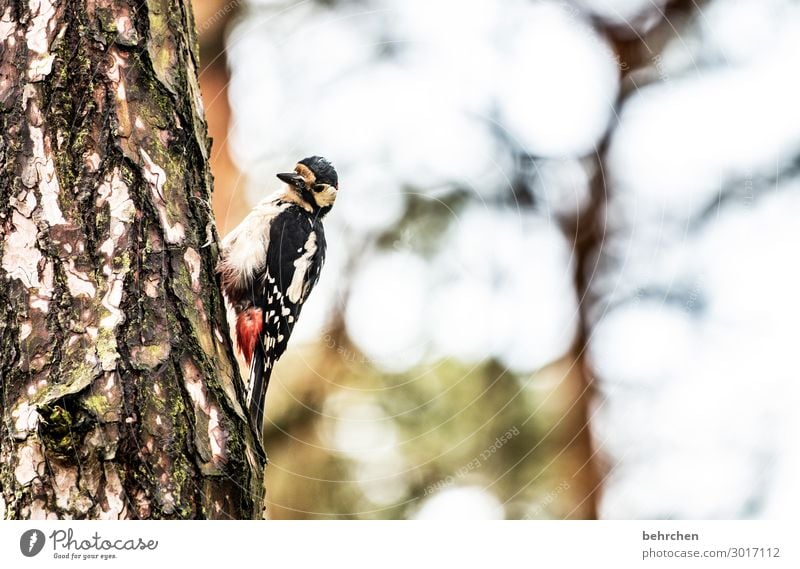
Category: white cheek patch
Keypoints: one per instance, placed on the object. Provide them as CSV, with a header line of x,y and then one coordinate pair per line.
x,y
325,197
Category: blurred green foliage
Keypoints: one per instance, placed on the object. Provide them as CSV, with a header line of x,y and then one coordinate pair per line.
x,y
377,445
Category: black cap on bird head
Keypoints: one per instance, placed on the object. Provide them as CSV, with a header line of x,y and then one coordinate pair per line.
x,y
312,170
322,169
316,180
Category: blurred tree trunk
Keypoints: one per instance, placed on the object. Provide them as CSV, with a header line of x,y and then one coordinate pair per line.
x,y
229,201
119,389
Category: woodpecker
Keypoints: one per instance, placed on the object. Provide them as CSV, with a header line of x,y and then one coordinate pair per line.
x,y
270,263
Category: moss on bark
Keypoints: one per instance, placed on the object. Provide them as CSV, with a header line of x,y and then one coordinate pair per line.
x,y
118,374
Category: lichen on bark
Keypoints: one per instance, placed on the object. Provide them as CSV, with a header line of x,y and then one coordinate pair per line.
x,y
120,393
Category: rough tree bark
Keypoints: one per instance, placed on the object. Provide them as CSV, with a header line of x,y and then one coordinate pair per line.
x,y
120,393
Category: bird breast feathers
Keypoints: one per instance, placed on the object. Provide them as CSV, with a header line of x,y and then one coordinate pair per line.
x,y
244,250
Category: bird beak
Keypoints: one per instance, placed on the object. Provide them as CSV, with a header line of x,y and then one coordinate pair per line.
x,y
291,178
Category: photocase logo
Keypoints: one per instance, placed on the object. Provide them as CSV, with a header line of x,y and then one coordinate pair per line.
x,y
31,542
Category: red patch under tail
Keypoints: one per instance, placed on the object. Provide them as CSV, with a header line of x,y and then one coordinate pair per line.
x,y
248,331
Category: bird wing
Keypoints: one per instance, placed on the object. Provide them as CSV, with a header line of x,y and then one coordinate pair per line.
x,y
295,257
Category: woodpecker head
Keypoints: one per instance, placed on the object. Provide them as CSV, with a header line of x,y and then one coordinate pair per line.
x,y
315,181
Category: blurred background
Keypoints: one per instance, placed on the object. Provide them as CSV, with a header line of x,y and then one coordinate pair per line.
x,y
561,280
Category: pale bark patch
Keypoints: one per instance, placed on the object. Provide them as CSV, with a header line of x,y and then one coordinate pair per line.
x,y
65,484
193,262
152,286
111,301
25,420
7,25
25,329
41,167
25,203
194,385
40,300
39,512
126,33
92,162
114,494
38,38
156,177
20,255
217,437
30,462
114,192
78,282
120,93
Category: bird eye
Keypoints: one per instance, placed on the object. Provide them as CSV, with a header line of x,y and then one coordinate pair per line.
x,y
319,187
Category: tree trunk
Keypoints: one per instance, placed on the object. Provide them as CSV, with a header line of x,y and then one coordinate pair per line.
x,y
120,393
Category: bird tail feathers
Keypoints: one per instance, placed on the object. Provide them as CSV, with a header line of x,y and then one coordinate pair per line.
x,y
260,371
